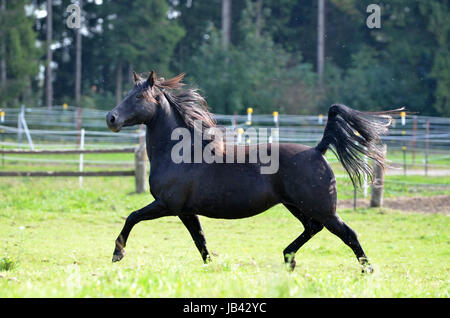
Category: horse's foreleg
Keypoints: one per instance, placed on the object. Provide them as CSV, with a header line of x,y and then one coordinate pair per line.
x,y
194,227
152,211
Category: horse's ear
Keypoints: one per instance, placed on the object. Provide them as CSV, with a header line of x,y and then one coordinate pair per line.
x,y
151,80
136,77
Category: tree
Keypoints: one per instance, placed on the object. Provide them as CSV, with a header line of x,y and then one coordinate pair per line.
x,y
78,61
321,40
145,39
200,18
48,64
226,23
413,38
439,15
271,59
3,49
19,55
142,39
252,73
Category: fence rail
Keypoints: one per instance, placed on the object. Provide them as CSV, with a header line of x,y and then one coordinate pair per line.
x,y
66,151
67,173
140,171
413,140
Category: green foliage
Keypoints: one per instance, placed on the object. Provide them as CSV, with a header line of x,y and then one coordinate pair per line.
x,y
145,39
271,61
7,263
254,73
441,72
21,54
241,77
438,25
105,100
366,85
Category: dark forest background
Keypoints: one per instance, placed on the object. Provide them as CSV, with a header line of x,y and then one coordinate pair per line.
x,y
240,53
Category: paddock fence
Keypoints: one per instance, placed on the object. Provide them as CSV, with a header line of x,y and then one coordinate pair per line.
x,y
415,144
139,172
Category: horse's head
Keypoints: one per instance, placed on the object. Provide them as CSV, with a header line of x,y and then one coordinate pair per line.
x,y
138,107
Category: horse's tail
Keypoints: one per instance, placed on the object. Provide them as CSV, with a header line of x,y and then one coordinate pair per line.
x,y
351,134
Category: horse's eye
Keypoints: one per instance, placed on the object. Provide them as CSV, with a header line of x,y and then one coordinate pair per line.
x,y
139,96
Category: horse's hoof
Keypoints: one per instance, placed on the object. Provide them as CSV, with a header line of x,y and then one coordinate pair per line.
x,y
289,260
291,265
118,255
368,269
207,260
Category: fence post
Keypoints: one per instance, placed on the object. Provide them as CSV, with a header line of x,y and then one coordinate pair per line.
x,y
140,169
79,119
414,140
378,182
274,131
80,167
19,128
427,145
249,116
2,131
404,152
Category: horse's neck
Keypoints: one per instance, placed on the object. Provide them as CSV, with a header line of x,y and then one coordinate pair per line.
x,y
159,131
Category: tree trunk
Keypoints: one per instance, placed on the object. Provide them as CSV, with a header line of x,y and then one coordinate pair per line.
x,y
130,77
119,81
226,35
321,40
259,17
49,84
226,22
3,52
78,61
27,94
180,57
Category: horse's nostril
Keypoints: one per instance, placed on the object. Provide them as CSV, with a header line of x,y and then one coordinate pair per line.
x,y
112,119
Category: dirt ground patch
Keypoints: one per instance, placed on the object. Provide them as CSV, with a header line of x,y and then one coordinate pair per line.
x,y
433,204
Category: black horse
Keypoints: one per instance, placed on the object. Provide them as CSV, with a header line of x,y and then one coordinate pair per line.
x,y
304,182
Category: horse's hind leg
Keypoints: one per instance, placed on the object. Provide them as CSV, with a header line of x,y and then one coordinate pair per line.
x,y
194,227
311,226
336,226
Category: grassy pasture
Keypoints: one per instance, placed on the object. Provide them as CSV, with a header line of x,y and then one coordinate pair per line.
x,y
57,241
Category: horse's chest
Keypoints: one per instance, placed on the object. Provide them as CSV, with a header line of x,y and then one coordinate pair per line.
x,y
168,187
157,185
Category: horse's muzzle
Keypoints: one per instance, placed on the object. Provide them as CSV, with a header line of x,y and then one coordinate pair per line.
x,y
113,122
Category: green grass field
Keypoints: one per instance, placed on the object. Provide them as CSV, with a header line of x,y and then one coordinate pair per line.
x,y
57,241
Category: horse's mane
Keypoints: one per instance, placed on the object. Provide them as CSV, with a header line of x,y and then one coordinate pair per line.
x,y
190,105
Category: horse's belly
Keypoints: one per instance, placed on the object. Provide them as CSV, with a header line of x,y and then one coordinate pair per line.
x,y
232,203
237,212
